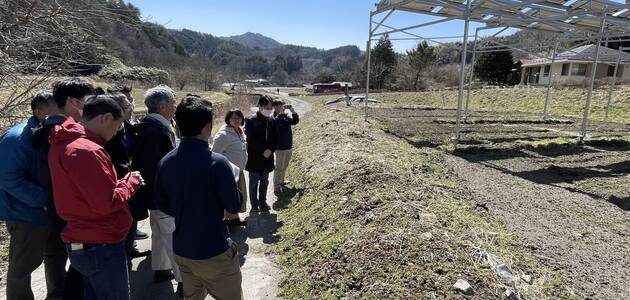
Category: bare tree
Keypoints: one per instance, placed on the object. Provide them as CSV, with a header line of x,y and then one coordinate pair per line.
x,y
40,40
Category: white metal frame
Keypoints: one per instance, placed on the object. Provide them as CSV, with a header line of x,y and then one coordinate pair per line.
x,y
573,20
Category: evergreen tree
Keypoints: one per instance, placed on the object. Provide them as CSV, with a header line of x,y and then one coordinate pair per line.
x,y
419,59
494,67
383,62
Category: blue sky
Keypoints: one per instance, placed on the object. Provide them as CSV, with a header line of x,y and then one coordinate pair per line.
x,y
318,23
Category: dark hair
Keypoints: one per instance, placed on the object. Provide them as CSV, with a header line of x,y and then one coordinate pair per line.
x,y
99,90
192,115
264,100
119,88
277,102
100,105
71,87
41,99
232,112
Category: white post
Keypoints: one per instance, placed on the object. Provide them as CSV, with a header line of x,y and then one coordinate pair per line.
x,y
462,69
472,71
367,80
612,85
589,95
553,60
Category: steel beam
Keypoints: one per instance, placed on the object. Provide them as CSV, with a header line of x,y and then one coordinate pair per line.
x,y
369,65
462,77
589,95
547,96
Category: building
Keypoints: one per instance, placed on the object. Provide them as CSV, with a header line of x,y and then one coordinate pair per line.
x,y
334,87
574,66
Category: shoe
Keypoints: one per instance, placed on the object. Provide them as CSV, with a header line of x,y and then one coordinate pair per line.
x,y
135,253
141,235
180,290
237,222
265,207
162,276
255,209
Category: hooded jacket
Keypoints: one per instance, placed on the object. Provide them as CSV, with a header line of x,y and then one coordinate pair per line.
x,y
21,199
231,145
261,136
154,139
86,193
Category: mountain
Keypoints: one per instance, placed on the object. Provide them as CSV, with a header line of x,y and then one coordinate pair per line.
x,y
255,41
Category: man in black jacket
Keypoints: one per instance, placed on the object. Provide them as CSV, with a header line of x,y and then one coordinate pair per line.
x,y
284,142
69,96
261,143
119,149
155,137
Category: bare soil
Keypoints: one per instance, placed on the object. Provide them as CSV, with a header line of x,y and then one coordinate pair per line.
x,y
568,203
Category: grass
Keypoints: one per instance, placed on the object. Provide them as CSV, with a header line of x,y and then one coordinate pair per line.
x,y
378,218
568,101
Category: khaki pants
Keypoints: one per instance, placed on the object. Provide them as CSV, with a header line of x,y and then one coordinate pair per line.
x,y
29,246
162,228
242,187
220,276
282,163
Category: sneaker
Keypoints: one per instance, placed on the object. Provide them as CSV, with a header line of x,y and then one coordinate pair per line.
x,y
255,209
138,253
237,222
141,235
265,207
163,276
180,290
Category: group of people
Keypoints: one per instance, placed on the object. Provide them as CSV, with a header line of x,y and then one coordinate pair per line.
x,y
78,176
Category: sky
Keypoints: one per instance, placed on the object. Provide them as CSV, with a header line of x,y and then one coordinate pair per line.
x,y
324,24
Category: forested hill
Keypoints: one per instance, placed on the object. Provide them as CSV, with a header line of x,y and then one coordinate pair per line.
x,y
129,41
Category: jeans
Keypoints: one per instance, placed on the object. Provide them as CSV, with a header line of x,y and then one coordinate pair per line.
x,y
258,182
104,270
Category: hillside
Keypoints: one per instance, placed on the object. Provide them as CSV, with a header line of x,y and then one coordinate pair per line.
x,y
255,41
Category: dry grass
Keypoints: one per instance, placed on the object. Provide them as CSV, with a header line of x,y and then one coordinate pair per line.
x,y
377,218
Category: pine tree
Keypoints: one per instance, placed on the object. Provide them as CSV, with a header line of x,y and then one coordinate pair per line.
x,y
493,67
419,59
383,62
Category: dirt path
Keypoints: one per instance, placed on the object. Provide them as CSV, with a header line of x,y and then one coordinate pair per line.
x,y
260,274
574,225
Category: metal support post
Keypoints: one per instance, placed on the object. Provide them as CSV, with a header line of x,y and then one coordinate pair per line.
x,y
547,97
472,71
589,95
367,80
462,76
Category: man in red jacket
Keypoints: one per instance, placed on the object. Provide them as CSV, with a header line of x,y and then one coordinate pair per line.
x,y
90,199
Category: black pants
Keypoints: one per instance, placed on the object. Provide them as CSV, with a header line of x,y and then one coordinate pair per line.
x,y
131,237
30,245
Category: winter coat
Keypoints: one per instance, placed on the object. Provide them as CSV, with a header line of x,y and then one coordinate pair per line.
x,y
284,134
154,139
21,199
232,145
261,136
86,192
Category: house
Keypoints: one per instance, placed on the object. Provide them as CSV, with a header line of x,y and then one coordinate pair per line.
x,y
574,66
334,87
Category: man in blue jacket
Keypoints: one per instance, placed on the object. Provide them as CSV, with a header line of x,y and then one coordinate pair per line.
x,y
195,186
24,207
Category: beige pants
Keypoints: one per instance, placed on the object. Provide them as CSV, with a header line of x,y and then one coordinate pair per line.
x,y
242,186
220,276
282,163
162,228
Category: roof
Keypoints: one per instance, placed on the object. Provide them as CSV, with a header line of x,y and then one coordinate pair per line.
x,y
583,54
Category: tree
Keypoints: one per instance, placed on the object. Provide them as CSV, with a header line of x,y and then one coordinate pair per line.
x,y
494,67
280,77
383,62
419,59
294,64
325,76
279,63
343,66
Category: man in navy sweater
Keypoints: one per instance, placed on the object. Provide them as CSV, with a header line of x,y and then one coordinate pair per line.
x,y
195,186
